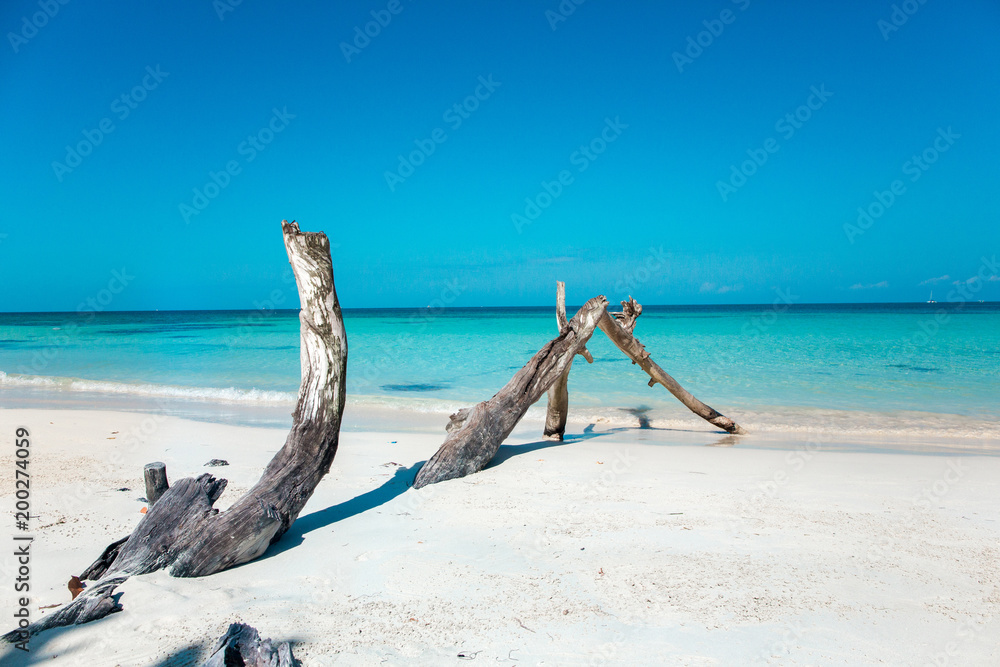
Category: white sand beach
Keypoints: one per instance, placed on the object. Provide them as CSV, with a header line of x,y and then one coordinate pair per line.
x,y
631,547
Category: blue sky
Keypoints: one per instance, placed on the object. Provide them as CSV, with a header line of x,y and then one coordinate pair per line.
x,y
626,149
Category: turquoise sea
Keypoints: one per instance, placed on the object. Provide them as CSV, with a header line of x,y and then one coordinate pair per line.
x,y
868,368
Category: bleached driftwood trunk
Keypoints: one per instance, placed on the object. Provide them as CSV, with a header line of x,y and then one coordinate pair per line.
x,y
182,531
619,330
475,434
558,404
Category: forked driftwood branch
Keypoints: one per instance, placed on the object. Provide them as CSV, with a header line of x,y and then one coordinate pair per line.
x,y
631,310
183,531
475,434
619,328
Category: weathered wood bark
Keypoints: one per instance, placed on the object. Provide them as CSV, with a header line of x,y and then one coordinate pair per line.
x,y
557,409
242,646
155,475
104,561
183,531
631,310
636,351
475,434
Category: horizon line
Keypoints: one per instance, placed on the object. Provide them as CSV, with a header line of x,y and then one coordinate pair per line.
x,y
537,307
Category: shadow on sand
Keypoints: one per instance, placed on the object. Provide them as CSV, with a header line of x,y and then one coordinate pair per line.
x,y
393,487
507,452
403,480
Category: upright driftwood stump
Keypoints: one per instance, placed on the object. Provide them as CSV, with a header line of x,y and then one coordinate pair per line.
x,y
182,531
475,434
558,404
155,476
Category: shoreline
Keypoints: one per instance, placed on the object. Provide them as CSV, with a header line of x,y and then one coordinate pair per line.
x,y
564,553
768,426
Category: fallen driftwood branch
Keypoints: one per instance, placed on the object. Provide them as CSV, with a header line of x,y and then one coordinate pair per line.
x,y
558,404
95,602
475,434
242,646
619,327
182,531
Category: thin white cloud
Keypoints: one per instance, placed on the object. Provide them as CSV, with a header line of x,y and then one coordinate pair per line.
x,y
994,279
934,281
884,283
973,279
719,289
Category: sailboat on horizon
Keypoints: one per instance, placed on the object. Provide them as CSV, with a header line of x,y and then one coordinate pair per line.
x,y
931,299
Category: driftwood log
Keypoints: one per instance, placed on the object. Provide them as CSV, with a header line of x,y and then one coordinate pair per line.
x,y
183,531
475,434
104,561
242,646
95,602
558,405
619,328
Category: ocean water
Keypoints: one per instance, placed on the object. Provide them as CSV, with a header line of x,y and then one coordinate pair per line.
x,y
864,367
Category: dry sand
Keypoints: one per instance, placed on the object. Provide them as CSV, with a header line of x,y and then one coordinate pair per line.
x,y
631,547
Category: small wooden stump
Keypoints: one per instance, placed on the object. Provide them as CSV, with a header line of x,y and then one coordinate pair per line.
x,y
156,481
